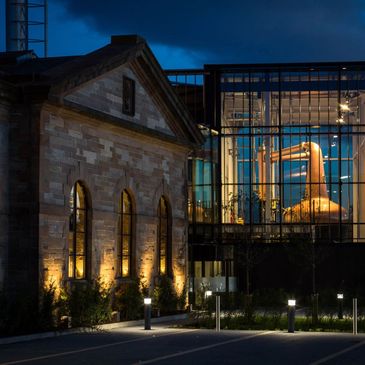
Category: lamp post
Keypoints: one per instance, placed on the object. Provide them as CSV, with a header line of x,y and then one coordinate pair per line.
x,y
217,313
291,315
340,305
147,313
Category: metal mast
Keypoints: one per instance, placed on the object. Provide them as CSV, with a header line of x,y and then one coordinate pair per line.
x,y
26,23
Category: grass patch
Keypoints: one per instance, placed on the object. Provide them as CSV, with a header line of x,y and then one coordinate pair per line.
x,y
273,322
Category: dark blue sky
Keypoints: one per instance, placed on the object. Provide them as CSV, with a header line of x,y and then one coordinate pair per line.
x,y
185,34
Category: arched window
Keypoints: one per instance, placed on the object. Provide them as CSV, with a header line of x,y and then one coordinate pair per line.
x,y
77,239
126,230
164,237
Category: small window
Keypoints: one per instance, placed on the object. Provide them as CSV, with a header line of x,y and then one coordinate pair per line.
x,y
164,238
126,230
77,239
128,96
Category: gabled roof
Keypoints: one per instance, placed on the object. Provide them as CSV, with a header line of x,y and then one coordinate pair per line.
x,y
58,76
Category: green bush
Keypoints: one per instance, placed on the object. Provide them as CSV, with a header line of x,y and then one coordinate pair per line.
x,y
274,321
128,300
88,304
164,296
47,308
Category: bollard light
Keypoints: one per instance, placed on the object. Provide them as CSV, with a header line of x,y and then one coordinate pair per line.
x,y
147,313
208,293
291,315
340,305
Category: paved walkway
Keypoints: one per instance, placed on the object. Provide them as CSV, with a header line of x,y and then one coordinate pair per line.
x,y
164,345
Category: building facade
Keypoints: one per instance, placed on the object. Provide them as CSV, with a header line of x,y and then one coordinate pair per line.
x,y
283,163
93,163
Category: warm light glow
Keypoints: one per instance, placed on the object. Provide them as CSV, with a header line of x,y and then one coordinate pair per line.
x,y
340,296
345,107
208,293
52,276
147,301
340,120
291,302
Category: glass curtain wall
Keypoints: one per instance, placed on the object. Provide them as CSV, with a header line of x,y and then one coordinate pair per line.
x,y
292,153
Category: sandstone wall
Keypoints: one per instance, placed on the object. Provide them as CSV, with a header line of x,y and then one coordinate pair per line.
x,y
107,159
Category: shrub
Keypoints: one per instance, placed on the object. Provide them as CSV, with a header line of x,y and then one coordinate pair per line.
x,y
88,304
164,295
47,308
128,300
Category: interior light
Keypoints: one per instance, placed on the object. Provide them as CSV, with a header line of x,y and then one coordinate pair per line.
x,y
345,107
335,136
340,120
208,293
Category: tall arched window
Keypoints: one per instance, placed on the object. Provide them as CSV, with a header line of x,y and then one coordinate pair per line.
x,y
164,237
126,231
77,239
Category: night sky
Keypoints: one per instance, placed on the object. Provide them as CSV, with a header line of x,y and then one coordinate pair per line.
x,y
190,33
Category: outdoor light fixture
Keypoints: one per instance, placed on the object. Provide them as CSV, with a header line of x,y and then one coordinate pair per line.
x,y
208,293
291,315
147,313
340,305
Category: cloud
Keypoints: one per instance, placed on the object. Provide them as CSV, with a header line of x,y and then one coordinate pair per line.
x,y
235,31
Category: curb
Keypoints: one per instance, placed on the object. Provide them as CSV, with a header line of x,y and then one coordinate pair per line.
x,y
72,331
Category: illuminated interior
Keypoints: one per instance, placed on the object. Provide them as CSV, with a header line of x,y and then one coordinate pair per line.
x,y
126,233
163,235
77,233
285,152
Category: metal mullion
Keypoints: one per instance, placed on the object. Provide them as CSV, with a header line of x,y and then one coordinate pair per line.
x,y
250,151
281,190
339,154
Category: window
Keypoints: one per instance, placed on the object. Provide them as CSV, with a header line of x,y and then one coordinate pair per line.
x,y
78,233
128,96
164,237
126,227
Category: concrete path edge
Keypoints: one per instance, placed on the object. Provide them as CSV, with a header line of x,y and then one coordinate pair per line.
x,y
71,331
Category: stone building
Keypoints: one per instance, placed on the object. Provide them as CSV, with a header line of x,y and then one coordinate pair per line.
x,y
93,163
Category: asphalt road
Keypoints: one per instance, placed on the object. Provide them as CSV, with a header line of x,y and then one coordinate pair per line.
x,y
164,345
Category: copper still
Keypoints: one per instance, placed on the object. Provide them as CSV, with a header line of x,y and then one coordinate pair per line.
x,y
315,207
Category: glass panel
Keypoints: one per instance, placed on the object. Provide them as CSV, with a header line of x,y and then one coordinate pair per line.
x,y
126,245
126,224
125,266
80,267
80,196
71,266
198,269
162,264
80,220
127,207
80,243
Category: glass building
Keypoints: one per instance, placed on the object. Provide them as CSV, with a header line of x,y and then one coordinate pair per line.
x,y
283,161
